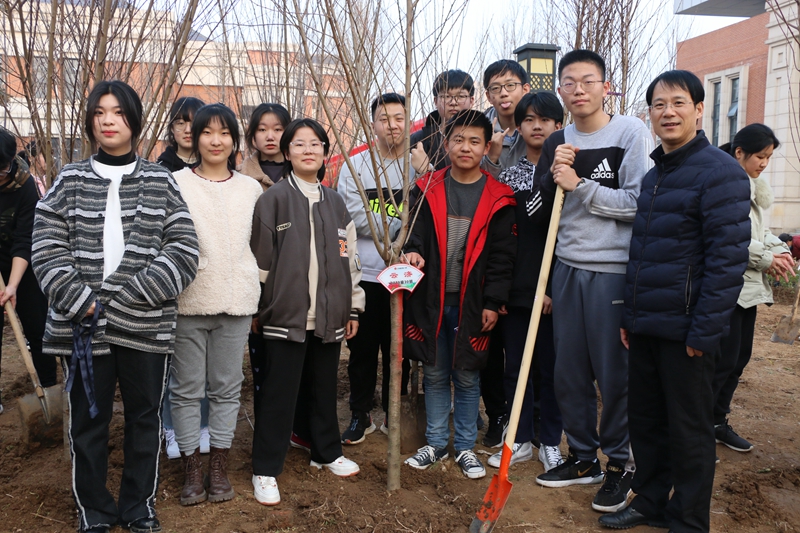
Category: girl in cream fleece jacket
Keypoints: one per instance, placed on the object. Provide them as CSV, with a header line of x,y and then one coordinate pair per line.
x,y
215,311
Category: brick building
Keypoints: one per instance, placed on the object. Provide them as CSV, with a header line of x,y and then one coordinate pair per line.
x,y
735,81
749,76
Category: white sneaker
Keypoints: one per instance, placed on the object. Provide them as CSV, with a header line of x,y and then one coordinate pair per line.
x,y
205,440
172,445
266,490
522,451
550,456
342,467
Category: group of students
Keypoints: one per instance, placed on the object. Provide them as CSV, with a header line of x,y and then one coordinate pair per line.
x,y
159,274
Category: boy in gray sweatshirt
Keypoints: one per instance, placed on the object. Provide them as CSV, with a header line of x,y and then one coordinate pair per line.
x,y
600,161
388,121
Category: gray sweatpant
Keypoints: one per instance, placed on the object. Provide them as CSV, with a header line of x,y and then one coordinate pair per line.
x,y
208,359
587,315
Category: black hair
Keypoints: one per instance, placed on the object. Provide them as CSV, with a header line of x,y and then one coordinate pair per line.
x,y
470,118
289,134
582,56
182,109
255,119
543,103
453,79
751,139
785,237
504,66
129,103
221,113
678,79
387,98
8,148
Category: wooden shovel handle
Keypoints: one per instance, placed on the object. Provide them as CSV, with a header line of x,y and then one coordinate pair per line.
x,y
533,327
23,346
796,299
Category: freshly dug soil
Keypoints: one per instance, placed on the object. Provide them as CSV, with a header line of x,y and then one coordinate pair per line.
x,y
753,492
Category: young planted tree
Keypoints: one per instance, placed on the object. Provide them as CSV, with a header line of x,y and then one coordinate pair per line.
x,y
377,47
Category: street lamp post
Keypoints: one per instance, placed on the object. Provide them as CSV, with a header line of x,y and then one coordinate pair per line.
x,y
539,61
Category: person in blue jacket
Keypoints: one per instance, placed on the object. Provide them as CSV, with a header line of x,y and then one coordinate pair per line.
x,y
688,254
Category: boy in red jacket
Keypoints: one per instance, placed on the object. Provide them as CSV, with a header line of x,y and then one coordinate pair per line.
x,y
463,237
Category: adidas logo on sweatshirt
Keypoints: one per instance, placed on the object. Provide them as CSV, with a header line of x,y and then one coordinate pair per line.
x,y
603,171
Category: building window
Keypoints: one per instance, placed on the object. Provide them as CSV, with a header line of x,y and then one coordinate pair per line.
x,y
40,77
71,78
733,111
715,113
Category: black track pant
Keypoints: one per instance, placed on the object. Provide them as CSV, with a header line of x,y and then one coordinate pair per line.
x,y
299,391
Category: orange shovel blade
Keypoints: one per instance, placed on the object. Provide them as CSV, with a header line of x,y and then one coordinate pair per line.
x,y
495,498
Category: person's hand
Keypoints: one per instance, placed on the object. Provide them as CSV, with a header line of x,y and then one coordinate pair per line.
x,y
9,294
419,159
693,352
565,177
414,259
351,329
496,147
564,155
623,336
547,305
255,327
502,311
489,320
782,266
90,312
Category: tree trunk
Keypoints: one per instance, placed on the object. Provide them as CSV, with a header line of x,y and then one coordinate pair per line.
x,y
395,377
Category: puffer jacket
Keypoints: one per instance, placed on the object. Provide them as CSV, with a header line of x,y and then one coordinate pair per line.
x,y
689,246
763,244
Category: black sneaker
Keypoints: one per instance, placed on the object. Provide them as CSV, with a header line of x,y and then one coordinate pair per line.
x,y
497,429
725,434
613,495
572,472
360,426
470,465
425,457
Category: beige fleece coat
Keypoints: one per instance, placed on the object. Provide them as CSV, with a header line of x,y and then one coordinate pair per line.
x,y
763,244
227,277
250,167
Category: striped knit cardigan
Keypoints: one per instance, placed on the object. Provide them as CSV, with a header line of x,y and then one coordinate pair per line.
x,y
160,258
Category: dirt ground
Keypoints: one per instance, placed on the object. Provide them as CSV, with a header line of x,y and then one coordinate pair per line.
x,y
753,492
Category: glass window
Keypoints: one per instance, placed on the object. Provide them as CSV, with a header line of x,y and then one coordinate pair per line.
x,y
40,77
71,78
733,111
715,114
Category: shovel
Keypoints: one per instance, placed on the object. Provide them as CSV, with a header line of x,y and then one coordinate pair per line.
x,y
39,413
500,487
789,327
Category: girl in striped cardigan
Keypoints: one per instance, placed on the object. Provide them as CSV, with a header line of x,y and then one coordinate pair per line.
x,y
113,246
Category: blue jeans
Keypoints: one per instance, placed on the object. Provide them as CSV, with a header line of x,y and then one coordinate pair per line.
x,y
467,386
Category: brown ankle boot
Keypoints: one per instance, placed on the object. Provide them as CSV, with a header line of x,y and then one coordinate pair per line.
x,y
219,487
193,490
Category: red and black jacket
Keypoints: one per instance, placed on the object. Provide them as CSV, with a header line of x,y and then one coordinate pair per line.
x,y
486,277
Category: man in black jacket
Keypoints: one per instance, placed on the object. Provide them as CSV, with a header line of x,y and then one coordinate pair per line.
x,y
687,257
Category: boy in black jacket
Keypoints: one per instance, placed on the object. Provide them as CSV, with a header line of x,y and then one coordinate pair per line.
x,y
463,232
537,116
